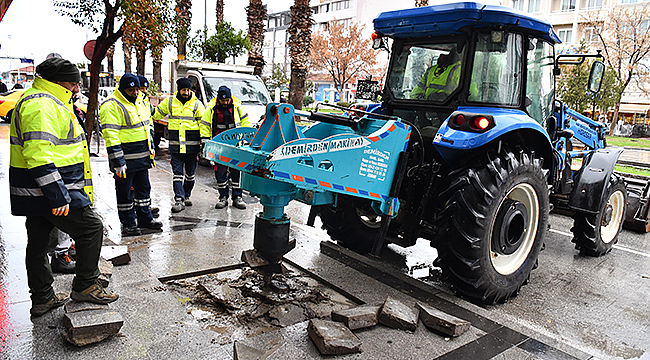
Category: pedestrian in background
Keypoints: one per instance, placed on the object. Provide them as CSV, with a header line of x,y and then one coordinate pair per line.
x,y
50,183
3,87
185,111
127,131
225,112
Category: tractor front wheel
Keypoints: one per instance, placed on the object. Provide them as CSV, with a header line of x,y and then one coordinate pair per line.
x,y
595,234
492,222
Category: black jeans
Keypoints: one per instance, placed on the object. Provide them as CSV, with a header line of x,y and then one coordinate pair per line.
x,y
86,229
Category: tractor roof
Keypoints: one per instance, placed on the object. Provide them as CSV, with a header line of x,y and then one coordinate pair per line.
x,y
446,19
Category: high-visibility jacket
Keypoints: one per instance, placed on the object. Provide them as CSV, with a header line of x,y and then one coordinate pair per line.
x,y
127,132
183,123
50,163
437,81
210,127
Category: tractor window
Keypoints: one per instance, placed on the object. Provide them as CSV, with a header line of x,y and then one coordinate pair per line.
x,y
540,90
426,72
496,74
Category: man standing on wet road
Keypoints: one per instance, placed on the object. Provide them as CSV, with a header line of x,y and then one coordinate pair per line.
x,y
50,184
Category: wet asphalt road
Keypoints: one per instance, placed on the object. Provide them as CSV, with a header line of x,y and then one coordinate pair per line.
x,y
575,307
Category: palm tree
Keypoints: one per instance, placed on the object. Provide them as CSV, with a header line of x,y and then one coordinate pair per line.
x,y
128,50
420,3
219,11
256,13
299,47
183,25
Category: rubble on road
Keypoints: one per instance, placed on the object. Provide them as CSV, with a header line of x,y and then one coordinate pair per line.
x,y
87,323
442,322
118,255
333,338
397,315
359,317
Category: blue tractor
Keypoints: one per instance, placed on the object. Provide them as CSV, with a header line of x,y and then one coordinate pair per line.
x,y
473,162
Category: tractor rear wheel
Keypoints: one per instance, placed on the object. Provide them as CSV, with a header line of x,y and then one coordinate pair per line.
x,y
596,234
351,223
492,224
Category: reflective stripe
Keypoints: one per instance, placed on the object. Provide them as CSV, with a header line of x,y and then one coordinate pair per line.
x,y
19,140
41,135
127,118
178,177
180,117
124,207
79,185
226,126
174,142
189,142
203,122
119,127
136,155
19,191
189,177
244,117
448,81
170,103
116,154
88,182
142,202
48,179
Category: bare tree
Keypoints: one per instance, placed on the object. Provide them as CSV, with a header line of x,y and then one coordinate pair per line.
x,y
299,49
256,14
625,39
343,53
420,3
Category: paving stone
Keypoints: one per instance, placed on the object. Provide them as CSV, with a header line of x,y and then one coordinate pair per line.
x,y
244,352
333,338
224,294
358,317
397,315
91,326
118,255
105,267
442,322
287,314
75,306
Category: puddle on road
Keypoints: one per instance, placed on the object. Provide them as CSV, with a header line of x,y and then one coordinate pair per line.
x,y
242,303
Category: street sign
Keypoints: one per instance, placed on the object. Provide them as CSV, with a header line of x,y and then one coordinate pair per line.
x,y
89,49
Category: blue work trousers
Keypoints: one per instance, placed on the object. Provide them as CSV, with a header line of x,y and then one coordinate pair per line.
x,y
227,178
184,181
133,198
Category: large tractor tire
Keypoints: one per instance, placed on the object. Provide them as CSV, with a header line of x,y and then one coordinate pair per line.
x,y
596,234
492,224
352,223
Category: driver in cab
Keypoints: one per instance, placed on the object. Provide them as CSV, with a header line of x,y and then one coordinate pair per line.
x,y
439,80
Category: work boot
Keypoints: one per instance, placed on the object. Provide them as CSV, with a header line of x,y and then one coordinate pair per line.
x,y
151,225
222,203
154,211
188,202
62,263
95,293
131,231
58,300
239,203
178,206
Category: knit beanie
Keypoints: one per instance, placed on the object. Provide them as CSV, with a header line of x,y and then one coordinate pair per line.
x,y
128,81
144,83
183,83
224,92
57,69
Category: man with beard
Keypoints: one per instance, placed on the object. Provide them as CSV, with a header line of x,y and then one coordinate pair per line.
x,y
185,111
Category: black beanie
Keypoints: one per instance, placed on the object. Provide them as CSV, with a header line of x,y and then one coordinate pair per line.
x,y
57,69
143,81
223,92
128,81
183,83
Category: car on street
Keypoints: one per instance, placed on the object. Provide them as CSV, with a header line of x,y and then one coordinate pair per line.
x,y
8,102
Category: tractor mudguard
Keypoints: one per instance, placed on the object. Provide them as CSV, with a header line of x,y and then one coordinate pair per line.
x,y
590,183
449,141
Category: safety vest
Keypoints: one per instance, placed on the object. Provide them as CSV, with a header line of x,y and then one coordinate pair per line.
x,y
50,163
443,83
127,132
239,114
183,123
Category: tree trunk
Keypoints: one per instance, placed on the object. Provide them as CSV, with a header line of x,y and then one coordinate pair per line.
x,y
256,14
183,23
109,56
157,73
127,56
140,56
299,47
219,11
612,126
420,3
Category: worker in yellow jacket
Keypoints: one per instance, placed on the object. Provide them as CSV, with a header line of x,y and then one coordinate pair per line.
x,y
50,183
225,112
185,111
126,129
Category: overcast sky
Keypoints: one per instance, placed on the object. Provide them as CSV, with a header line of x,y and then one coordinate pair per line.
x,y
33,29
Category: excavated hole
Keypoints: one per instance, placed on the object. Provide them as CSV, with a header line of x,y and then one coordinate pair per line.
x,y
237,304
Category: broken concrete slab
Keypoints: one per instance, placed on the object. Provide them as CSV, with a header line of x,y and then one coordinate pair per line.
x,y
287,314
118,255
397,315
333,338
75,306
224,294
358,317
105,267
92,326
442,322
244,352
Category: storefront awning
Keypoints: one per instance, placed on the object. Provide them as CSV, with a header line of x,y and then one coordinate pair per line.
x,y
634,108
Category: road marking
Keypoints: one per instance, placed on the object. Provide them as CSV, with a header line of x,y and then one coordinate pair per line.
x,y
616,246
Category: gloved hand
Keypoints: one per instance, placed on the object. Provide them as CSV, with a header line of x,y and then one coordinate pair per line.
x,y
153,153
121,171
61,211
